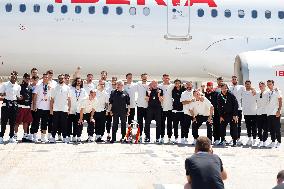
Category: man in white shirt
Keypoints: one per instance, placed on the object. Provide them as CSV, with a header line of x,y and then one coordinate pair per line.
x,y
130,88
100,114
60,107
41,105
88,84
142,104
109,89
237,91
186,99
249,111
261,102
201,110
10,91
104,78
167,107
274,107
86,111
77,95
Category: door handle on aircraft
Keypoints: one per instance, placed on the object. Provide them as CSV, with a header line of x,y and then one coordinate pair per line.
x,y
178,38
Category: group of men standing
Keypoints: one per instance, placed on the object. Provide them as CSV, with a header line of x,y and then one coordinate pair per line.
x,y
60,108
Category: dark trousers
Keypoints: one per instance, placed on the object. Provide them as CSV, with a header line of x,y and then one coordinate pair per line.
x,y
116,116
50,124
166,115
250,121
177,119
228,119
274,125
131,115
43,118
79,128
185,126
141,114
72,125
91,125
59,121
108,122
8,113
216,126
196,124
262,127
153,113
100,118
35,120
240,116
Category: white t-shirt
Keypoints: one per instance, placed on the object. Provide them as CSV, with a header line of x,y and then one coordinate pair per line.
x,y
89,87
273,103
101,100
43,93
261,103
87,104
249,103
12,90
76,96
238,90
131,89
167,96
60,95
52,83
141,90
186,96
201,108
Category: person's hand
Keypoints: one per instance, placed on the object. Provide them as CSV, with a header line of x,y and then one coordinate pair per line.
x,y
128,113
221,119
80,122
253,92
110,113
194,119
209,119
202,99
51,112
278,114
107,113
235,119
92,120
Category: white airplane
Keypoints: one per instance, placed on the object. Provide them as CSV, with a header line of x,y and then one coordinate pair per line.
x,y
206,39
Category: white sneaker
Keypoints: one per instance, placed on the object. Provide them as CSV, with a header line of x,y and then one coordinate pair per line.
x,y
260,144
74,139
49,136
254,142
239,142
185,141
194,142
1,140
278,145
271,145
182,141
79,140
264,144
162,141
35,139
175,141
68,140
59,138
216,142
169,141
249,142
43,139
12,140
15,137
90,139
64,141
30,137
52,140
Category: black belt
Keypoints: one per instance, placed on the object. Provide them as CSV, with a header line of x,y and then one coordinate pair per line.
x,y
10,103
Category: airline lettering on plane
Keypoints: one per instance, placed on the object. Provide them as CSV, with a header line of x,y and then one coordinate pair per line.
x,y
280,73
211,3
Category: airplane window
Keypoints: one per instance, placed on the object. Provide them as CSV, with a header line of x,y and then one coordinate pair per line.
x,y
64,9
268,14
36,8
281,14
92,10
132,11
228,13
254,14
105,9
146,11
241,13
119,10
200,12
78,9
50,8
23,8
8,7
214,13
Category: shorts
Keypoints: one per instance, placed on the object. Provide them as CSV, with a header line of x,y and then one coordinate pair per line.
x,y
24,116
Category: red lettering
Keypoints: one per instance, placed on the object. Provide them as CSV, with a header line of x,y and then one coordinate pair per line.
x,y
140,2
176,2
161,2
211,3
281,73
118,2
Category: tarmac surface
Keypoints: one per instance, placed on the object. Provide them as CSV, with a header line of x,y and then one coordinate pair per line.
x,y
131,166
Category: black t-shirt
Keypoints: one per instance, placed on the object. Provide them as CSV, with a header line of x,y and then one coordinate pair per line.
x,y
26,92
280,186
205,171
176,94
119,100
154,101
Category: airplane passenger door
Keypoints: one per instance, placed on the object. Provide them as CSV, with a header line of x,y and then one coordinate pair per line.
x,y
178,21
